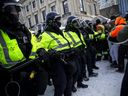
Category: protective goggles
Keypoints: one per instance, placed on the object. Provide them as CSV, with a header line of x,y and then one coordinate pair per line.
x,y
84,24
76,23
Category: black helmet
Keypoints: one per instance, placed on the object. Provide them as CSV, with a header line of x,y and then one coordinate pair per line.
x,y
98,21
52,17
6,3
73,21
9,10
70,18
113,17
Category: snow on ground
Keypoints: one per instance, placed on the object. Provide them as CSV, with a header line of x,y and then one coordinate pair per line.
x,y
107,83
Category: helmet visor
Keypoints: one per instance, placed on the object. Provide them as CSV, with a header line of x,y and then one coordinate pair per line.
x,y
57,18
12,7
11,4
13,11
76,23
84,24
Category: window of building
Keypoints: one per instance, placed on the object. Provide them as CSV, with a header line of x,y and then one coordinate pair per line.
x,y
41,1
44,14
53,8
90,9
27,8
36,19
81,5
34,4
29,3
65,6
95,9
29,21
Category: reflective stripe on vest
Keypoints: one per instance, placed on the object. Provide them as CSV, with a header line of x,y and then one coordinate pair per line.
x,y
82,38
91,36
75,43
6,57
5,49
97,36
72,38
58,42
35,46
103,36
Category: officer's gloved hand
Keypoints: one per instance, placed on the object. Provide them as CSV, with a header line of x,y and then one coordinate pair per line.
x,y
54,53
42,53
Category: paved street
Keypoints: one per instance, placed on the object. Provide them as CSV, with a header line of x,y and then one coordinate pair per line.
x,y
107,83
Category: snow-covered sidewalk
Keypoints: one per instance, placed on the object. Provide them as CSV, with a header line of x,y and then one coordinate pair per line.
x,y
107,83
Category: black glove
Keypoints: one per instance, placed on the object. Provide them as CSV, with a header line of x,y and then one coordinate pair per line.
x,y
54,53
42,53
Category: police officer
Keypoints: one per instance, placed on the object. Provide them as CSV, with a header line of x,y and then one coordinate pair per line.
x,y
15,48
43,69
88,35
72,29
59,48
101,41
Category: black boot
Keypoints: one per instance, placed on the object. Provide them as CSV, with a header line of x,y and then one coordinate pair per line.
x,y
93,74
81,85
74,89
85,78
98,58
49,82
105,57
114,64
120,70
95,67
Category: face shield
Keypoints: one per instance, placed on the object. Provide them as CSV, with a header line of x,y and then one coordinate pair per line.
x,y
76,23
12,11
84,24
57,20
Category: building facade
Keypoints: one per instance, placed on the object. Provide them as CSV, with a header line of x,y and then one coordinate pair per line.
x,y
109,7
34,11
123,7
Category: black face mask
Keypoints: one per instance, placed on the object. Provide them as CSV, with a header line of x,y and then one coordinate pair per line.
x,y
58,24
57,21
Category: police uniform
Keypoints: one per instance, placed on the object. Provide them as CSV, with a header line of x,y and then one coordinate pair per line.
x,y
43,71
15,48
60,54
79,46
